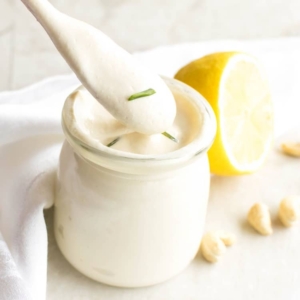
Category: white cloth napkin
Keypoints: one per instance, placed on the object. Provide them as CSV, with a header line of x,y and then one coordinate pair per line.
x,y
30,142
31,137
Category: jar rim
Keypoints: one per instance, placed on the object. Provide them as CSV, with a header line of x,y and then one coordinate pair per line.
x,y
198,146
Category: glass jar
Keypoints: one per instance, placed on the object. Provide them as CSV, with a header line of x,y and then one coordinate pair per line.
x,y
133,221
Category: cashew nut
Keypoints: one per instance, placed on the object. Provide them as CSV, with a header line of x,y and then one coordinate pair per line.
x,y
260,219
213,245
292,149
289,210
227,238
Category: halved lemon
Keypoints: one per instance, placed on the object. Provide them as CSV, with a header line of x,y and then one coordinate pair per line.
x,y
236,86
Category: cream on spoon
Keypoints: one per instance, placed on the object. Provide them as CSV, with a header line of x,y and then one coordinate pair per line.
x,y
108,72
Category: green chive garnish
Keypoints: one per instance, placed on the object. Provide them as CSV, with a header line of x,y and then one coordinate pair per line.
x,y
169,136
113,142
146,93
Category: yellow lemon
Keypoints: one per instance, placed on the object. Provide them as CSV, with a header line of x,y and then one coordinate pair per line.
x,y
237,88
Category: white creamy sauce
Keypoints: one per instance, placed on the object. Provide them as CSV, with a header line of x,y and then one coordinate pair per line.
x,y
108,72
94,125
115,219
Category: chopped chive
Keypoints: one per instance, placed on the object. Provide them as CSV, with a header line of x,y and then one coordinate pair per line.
x,y
169,136
113,142
145,93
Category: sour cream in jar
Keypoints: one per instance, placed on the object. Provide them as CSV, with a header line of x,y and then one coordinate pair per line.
x,y
132,214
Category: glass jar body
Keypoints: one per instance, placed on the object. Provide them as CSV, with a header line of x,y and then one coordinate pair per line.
x,y
129,230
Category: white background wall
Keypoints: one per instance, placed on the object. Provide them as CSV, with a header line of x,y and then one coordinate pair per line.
x,y
27,55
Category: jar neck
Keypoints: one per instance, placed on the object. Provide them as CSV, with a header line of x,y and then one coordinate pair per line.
x,y
145,164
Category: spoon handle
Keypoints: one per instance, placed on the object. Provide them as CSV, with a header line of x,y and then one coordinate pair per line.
x,y
41,9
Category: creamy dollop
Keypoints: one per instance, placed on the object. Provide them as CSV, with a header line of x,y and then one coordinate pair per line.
x,y
108,72
90,122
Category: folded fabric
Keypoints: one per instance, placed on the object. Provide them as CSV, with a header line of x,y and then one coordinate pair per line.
x,y
31,137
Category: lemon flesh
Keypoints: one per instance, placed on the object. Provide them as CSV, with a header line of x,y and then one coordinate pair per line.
x,y
237,88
